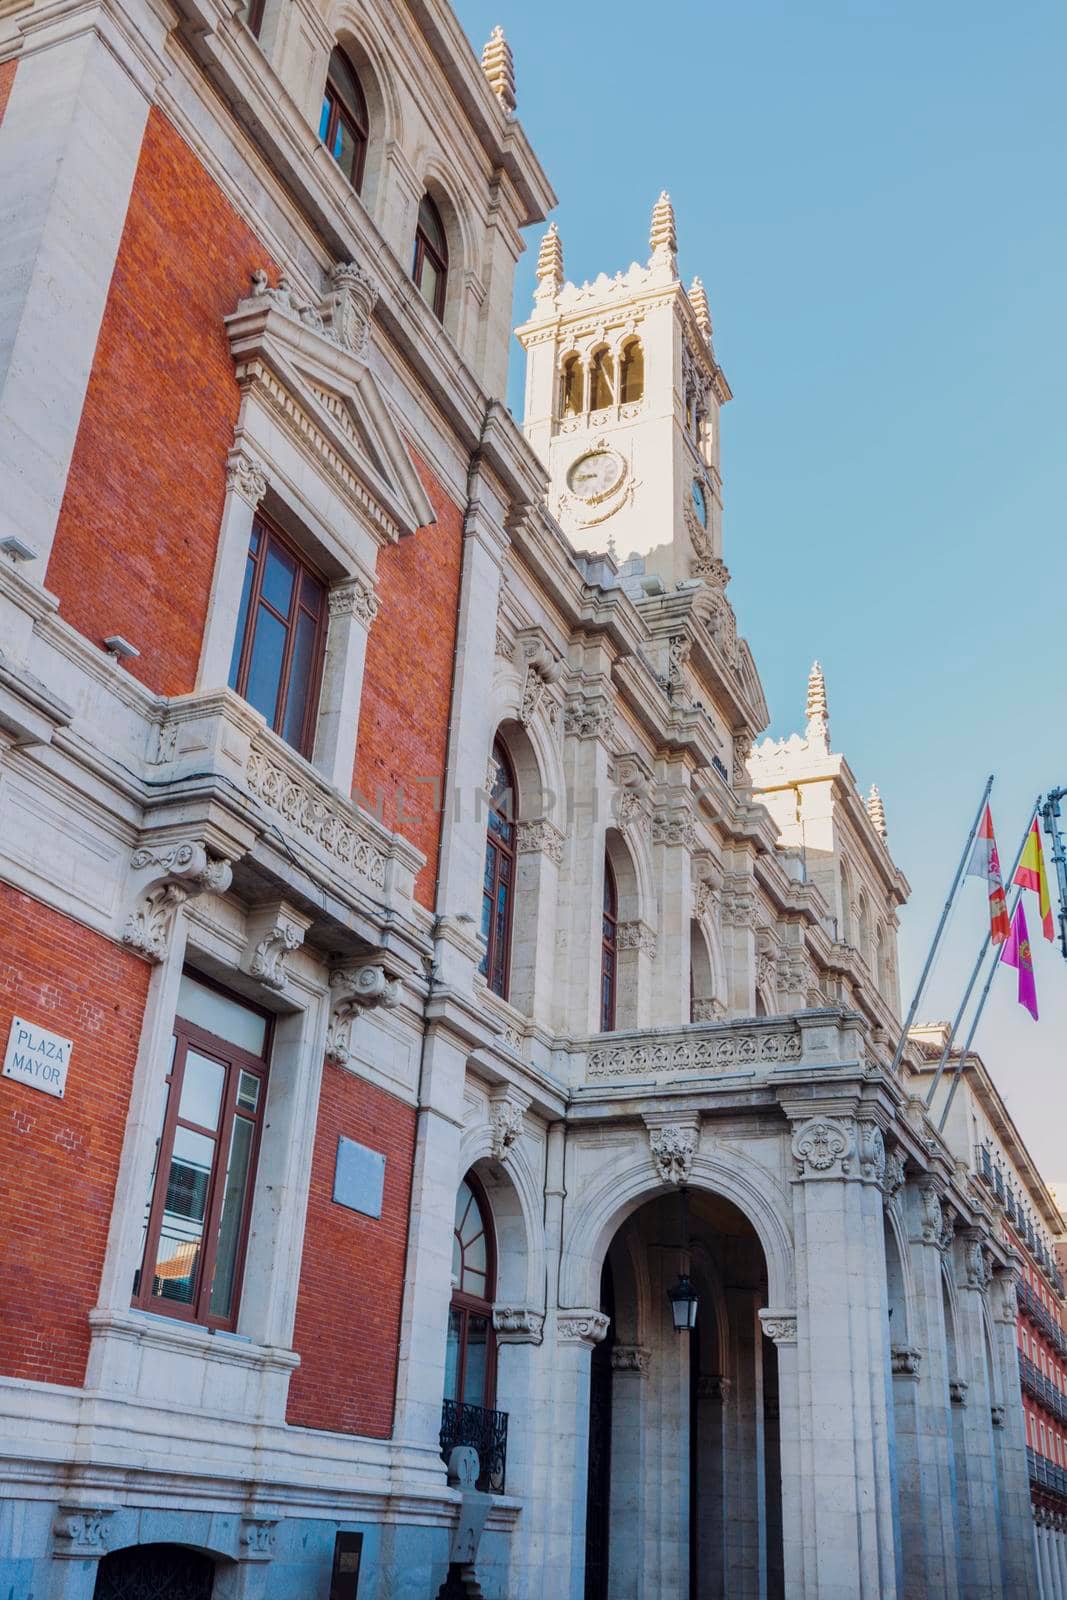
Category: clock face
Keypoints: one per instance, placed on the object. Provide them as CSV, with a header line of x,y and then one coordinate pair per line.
x,y
594,475
700,504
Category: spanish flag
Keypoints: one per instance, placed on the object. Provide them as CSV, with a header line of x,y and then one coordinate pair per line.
x,y
1031,875
985,863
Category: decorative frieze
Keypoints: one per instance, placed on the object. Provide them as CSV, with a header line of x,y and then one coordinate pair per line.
x,y
631,1358
672,1146
169,876
824,1147
636,936
739,909
582,1327
588,719
779,1326
518,1325
353,990
688,1052
540,838
332,822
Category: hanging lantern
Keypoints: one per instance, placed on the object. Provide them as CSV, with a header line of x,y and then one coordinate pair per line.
x,y
683,1297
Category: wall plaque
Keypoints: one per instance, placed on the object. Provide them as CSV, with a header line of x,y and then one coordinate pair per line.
x,y
36,1057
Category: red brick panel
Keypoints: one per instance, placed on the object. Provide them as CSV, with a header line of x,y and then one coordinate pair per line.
x,y
352,1277
135,546
59,1157
7,78
407,687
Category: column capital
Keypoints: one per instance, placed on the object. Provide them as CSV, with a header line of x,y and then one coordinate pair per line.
x,y
582,1327
781,1326
906,1360
518,1325
631,1358
246,476
354,597
81,1532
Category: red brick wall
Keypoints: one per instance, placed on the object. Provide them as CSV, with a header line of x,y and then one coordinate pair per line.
x,y
59,1158
407,689
7,78
352,1277
135,546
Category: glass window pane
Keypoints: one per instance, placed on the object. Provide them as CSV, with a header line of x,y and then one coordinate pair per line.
x,y
474,1263
348,151
428,281
222,1016
300,670
457,1261
279,576
181,1234
324,120
233,1204
242,621
152,1177
248,1092
265,667
430,225
455,1332
202,1084
477,1360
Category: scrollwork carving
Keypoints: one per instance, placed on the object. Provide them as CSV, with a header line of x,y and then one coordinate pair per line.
x,y
352,991
823,1148
673,1147
582,1327
169,877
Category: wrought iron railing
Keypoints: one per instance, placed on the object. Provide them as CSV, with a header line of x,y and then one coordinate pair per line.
x,y
1046,1474
486,1431
1042,1389
1031,1306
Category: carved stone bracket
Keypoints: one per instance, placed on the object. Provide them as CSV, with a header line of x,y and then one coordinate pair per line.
x,y
781,1326
541,671
273,933
1003,1303
957,1389
672,1145
824,1147
257,1538
871,1151
582,1327
906,1360
81,1533
996,1415
354,990
544,838
894,1177
631,1358
506,1111
168,876
975,1271
518,1325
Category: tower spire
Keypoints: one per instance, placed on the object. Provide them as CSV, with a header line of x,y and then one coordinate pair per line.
x,y
663,234
876,811
550,261
818,729
698,299
498,64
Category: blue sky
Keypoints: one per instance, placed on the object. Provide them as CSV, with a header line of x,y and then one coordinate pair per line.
x,y
873,195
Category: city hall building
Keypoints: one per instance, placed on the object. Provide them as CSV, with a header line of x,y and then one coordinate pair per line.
x,y
433,1021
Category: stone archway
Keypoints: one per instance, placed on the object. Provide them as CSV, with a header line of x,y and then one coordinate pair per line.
x,y
155,1572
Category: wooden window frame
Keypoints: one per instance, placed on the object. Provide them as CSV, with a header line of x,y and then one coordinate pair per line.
x,y
507,850
235,1060
339,115
472,1304
270,533
254,19
609,950
425,247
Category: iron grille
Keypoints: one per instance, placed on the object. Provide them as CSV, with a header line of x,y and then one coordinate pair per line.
x,y
486,1431
155,1572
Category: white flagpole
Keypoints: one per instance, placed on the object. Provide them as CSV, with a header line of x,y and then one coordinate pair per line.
x,y
977,969
964,858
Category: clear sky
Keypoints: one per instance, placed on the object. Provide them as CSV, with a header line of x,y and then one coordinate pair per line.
x,y
874,196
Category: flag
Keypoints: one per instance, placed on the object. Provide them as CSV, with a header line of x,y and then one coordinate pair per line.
x,y
1031,875
1016,953
985,863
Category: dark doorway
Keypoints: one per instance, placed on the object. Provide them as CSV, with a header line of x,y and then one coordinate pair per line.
x,y
155,1572
598,1491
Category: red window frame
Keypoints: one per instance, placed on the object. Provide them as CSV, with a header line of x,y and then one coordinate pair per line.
x,y
235,1060
427,248
465,1304
498,884
609,950
265,536
348,112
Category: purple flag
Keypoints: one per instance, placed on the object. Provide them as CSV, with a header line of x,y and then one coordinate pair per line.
x,y
1016,953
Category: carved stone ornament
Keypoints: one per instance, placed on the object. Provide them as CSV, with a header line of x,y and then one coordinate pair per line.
x,y
996,1415
505,647
542,670
957,1389
727,1050
588,719
257,1538
540,838
273,935
894,1177
246,476
81,1532
906,1360
636,936
673,1147
342,315
823,1148
631,1358
354,598
871,1151
678,648
710,1386
779,1326
738,909
505,1123
709,1010
1003,1301
674,828
518,1325
976,1272
169,876
582,1327
632,809
931,1218
947,1236
353,991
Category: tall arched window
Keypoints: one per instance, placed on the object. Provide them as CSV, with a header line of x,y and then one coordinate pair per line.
x,y
845,890
632,373
498,886
601,381
609,949
344,125
864,929
470,1374
430,266
570,387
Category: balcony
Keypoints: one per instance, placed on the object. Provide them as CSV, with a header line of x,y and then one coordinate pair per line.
x,y
1042,1389
1032,1308
485,1431
1045,1474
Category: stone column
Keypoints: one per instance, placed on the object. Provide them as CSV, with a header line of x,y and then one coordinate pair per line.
x,y
246,484
1059,1538
629,1472
781,1327
713,1400
557,1547
739,937
1009,1433
926,1471
587,761
666,1486
842,1333
746,1509
353,608
69,145
979,1512
81,1537
519,1339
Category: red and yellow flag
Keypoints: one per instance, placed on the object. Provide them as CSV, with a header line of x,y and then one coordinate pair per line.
x,y
985,863
1031,875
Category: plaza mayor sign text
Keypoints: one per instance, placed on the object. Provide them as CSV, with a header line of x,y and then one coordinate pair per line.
x,y
37,1057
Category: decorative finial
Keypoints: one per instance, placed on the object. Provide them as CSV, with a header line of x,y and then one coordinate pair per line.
x,y
663,235
818,729
876,811
698,299
550,260
498,64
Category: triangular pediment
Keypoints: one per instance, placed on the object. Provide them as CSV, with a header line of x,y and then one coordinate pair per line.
x,y
315,375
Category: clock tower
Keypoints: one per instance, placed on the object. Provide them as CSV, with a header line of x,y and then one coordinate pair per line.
x,y
623,396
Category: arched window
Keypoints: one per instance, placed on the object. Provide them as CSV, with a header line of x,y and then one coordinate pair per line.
x,y
864,929
430,266
498,886
469,1361
844,889
609,950
632,373
344,124
570,387
601,381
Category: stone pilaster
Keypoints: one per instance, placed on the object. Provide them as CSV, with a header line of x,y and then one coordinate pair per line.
x,y
1009,1435
979,1510
631,1415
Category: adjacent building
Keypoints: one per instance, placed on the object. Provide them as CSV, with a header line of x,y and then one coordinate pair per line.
x,y
421,995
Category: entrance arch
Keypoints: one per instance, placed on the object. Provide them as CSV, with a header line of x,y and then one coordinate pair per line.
x,y
155,1572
